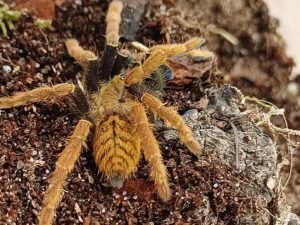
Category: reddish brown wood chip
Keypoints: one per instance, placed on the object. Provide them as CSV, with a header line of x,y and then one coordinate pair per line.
x,y
43,9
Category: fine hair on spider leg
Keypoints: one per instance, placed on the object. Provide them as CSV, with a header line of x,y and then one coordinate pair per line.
x,y
81,55
113,20
160,78
199,55
64,166
170,116
158,56
88,61
112,61
41,94
151,151
154,85
176,49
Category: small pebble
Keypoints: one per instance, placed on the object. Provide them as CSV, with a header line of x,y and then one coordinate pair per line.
x,y
33,108
33,203
29,80
2,88
2,158
293,89
77,208
16,69
6,69
39,76
86,10
20,165
78,2
271,183
46,69
91,179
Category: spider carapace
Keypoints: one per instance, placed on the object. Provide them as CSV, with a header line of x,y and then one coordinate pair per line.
x,y
113,101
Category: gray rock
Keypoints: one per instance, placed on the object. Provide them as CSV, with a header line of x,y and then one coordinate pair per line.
x,y
223,131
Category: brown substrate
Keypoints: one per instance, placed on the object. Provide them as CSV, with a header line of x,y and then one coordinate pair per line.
x,y
251,53
33,136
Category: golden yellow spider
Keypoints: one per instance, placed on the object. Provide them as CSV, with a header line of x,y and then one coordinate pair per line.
x,y
115,105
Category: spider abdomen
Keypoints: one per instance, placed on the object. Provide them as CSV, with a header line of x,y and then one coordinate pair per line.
x,y
116,148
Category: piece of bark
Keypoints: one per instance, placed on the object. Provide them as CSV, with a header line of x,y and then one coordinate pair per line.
x,y
250,157
43,9
131,17
185,69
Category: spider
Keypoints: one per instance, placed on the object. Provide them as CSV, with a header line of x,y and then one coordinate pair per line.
x,y
113,101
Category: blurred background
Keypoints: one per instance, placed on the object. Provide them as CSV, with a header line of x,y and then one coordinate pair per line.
x,y
288,15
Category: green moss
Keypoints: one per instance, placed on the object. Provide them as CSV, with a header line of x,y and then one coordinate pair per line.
x,y
7,17
42,24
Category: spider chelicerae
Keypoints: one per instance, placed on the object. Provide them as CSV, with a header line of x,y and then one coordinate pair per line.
x,y
112,102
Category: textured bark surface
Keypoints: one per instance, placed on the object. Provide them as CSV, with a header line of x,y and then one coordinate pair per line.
x,y
231,136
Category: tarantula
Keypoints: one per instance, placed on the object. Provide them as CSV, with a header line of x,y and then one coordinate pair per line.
x,y
112,99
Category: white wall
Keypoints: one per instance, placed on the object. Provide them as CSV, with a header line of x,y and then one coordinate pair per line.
x,y
288,13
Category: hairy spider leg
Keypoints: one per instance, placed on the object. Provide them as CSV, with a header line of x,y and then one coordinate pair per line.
x,y
64,166
113,20
158,56
41,94
170,116
81,55
151,151
88,61
112,61
199,55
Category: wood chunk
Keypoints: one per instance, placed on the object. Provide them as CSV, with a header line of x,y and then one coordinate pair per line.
x,y
131,17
